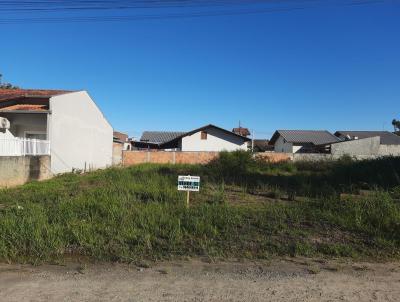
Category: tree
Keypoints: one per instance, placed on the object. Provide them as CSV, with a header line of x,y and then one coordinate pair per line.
x,y
396,125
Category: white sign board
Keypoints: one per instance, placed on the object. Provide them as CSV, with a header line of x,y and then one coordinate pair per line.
x,y
189,183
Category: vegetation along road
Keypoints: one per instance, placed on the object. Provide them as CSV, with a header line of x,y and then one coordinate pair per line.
x,y
340,212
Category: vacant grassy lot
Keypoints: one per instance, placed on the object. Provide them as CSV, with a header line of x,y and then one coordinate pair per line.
x,y
245,209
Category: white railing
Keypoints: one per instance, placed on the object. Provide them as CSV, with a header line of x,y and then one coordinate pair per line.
x,y
23,146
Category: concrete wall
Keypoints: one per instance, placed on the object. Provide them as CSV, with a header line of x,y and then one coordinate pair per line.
x,y
80,136
216,141
389,150
312,157
117,154
365,146
17,170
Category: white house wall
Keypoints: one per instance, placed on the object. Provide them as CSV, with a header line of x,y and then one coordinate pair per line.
x,y
296,148
282,146
216,141
80,136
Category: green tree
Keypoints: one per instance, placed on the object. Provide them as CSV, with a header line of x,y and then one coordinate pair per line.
x,y
396,125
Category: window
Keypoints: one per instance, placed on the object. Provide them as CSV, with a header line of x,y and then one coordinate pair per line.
x,y
35,135
203,135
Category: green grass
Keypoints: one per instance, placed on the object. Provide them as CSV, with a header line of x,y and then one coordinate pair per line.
x,y
137,213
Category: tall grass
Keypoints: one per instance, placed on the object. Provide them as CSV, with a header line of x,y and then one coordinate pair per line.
x,y
133,213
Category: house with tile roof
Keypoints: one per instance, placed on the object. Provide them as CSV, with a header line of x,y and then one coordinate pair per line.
x,y
207,138
67,125
302,141
385,137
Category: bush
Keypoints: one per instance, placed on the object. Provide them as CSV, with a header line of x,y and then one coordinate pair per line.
x,y
232,166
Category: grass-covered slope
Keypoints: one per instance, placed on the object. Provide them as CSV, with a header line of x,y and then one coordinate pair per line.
x,y
244,209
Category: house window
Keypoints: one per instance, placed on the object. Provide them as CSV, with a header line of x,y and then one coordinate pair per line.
x,y
35,135
203,135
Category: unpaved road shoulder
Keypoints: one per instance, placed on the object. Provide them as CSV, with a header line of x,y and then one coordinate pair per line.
x,y
278,280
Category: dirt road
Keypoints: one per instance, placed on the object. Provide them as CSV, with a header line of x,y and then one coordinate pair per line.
x,y
195,280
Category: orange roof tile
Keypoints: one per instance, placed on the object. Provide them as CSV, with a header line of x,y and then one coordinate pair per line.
x,y
25,107
10,94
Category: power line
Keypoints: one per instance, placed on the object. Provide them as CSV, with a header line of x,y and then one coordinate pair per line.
x,y
94,5
156,4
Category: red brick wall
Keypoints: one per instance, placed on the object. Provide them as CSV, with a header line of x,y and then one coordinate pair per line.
x,y
273,157
169,157
130,158
194,157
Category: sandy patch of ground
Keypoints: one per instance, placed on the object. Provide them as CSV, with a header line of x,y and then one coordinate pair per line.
x,y
195,280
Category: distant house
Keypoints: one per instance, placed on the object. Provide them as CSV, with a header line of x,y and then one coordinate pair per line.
x,y
386,137
120,143
67,125
366,143
156,139
241,131
301,141
122,138
262,145
207,138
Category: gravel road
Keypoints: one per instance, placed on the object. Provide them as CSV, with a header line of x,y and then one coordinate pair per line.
x,y
195,280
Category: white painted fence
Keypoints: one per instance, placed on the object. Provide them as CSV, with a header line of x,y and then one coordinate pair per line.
x,y
23,146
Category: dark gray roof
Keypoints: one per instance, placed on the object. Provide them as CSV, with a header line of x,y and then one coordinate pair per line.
x,y
387,138
162,137
315,137
159,137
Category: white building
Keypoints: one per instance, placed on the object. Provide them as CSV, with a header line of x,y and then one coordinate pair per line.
x,y
301,141
66,125
208,138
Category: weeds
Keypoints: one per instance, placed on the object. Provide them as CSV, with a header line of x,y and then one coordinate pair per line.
x,y
136,213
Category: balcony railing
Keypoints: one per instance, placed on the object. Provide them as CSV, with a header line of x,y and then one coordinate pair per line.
x,y
23,146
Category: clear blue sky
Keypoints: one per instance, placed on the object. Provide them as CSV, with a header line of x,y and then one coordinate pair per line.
x,y
329,67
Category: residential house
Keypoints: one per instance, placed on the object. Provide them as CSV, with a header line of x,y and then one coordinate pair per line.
x,y
386,137
262,145
241,131
375,143
157,140
67,125
207,138
301,141
123,139
120,143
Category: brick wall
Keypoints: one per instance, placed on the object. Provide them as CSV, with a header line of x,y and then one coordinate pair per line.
x,y
170,157
274,157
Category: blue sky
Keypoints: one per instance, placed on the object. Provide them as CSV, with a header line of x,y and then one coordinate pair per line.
x,y
329,67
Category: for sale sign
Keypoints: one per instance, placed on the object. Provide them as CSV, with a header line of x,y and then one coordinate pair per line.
x,y
189,183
